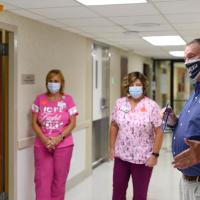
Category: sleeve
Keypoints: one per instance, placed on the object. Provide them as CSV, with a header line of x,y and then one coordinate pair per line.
x,y
156,117
72,109
35,105
114,113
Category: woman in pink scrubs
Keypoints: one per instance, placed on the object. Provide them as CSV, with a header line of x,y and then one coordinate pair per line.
x,y
135,138
53,119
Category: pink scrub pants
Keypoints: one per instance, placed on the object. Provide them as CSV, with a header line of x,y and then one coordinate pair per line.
x,y
51,171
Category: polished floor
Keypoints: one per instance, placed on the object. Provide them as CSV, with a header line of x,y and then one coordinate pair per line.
x,y
164,183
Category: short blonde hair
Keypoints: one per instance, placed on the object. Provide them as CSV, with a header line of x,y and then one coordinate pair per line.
x,y
55,72
131,78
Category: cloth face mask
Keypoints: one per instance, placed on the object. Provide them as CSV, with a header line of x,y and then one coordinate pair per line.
x,y
136,91
53,87
193,67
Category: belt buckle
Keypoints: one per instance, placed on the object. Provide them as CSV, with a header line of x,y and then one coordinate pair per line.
x,y
192,178
198,179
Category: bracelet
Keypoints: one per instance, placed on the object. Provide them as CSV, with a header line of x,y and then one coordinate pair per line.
x,y
155,154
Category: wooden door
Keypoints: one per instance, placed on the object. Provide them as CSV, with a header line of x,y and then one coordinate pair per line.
x,y
4,80
1,124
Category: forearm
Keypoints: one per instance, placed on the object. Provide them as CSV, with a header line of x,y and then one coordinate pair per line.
x,y
68,129
158,141
113,135
38,131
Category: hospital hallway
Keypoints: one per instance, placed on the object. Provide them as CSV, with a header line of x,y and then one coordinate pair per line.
x,y
164,184
97,50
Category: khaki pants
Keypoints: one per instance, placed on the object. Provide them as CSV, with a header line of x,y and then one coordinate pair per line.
x,y
189,190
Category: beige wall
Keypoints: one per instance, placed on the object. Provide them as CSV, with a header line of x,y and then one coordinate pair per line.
x,y
136,62
41,47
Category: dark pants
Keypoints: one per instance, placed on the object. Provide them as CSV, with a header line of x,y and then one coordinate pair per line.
x,y
141,175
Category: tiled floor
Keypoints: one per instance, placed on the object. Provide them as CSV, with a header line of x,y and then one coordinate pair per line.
x,y
164,183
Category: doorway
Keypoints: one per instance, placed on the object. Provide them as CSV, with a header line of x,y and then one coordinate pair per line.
x,y
4,84
173,85
100,114
124,71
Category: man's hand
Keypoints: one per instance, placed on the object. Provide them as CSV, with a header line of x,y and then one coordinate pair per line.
x,y
172,116
189,157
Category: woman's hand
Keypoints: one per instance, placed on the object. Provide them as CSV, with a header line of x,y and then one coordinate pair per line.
x,y
152,161
48,143
56,140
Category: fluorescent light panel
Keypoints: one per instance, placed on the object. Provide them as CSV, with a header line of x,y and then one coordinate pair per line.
x,y
177,53
109,2
165,40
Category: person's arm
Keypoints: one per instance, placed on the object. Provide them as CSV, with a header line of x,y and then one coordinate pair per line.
x,y
113,135
67,130
45,140
189,157
152,161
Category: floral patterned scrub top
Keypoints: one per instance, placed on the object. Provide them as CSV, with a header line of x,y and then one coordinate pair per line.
x,y
136,134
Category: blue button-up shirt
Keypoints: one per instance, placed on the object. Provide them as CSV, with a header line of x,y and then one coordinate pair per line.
x,y
188,126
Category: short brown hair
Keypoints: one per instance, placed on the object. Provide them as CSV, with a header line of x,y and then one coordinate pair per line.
x,y
55,72
131,78
197,40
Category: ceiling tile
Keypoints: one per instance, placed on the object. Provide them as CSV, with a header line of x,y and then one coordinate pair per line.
x,y
67,12
166,0
108,23
162,27
41,3
86,22
138,19
188,26
175,7
28,14
111,29
157,33
184,18
125,10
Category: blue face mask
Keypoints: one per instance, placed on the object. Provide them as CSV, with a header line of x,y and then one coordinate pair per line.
x,y
193,67
136,91
53,87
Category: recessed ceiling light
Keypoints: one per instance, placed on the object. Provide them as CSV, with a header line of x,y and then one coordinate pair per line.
x,y
177,53
165,40
109,2
146,24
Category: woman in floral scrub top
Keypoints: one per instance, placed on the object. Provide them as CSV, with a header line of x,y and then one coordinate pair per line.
x,y
135,138
53,118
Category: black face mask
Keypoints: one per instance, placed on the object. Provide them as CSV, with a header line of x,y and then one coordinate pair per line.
x,y
193,68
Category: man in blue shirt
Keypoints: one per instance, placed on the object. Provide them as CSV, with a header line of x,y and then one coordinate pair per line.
x,y
186,134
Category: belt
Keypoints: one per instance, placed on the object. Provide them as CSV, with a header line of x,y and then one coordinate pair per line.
x,y
192,178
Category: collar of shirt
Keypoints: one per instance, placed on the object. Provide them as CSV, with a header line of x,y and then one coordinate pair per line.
x,y
197,88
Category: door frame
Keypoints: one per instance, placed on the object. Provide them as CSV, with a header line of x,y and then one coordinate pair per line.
x,y
12,104
172,61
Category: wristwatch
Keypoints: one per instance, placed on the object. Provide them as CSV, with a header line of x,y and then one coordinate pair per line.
x,y
155,154
62,136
